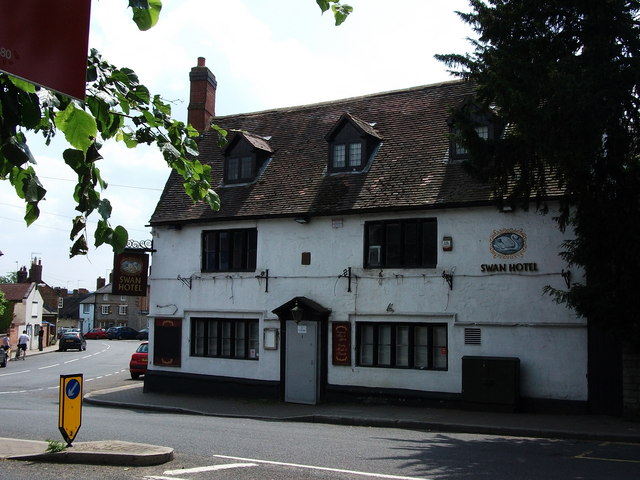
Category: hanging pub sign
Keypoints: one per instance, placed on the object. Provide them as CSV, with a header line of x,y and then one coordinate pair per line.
x,y
46,43
130,273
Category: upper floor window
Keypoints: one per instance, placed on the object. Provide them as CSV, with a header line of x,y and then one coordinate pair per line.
x,y
123,309
408,243
469,119
105,309
244,157
352,143
229,250
86,308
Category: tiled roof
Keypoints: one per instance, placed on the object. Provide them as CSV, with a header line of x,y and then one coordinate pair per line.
x,y
16,292
410,169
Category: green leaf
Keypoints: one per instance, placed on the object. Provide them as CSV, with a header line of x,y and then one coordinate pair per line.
x,y
79,224
17,152
32,212
104,208
145,13
119,239
22,84
78,126
79,247
341,12
74,158
323,4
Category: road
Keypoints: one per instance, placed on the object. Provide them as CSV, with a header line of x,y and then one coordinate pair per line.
x,y
221,448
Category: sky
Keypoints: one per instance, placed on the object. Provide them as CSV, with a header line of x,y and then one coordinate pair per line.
x,y
264,54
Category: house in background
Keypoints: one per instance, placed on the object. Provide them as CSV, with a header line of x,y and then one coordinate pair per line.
x,y
70,313
103,309
353,257
26,303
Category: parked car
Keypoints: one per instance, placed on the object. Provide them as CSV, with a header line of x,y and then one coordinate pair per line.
x,y
139,360
143,334
95,334
122,333
72,341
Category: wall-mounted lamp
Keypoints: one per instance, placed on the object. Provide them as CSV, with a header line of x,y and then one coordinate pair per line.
x,y
303,219
297,313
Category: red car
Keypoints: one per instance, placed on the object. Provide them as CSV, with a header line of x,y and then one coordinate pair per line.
x,y
139,359
95,334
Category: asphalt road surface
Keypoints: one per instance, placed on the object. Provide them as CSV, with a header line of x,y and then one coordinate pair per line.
x,y
221,448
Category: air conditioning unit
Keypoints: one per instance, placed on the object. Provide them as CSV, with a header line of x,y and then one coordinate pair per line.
x,y
375,255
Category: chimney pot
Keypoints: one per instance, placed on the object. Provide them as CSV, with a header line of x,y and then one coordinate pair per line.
x,y
202,61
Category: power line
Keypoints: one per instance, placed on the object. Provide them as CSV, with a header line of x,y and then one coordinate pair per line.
x,y
108,183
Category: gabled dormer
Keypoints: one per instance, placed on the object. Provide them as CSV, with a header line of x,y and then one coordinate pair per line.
x,y
352,145
470,116
244,157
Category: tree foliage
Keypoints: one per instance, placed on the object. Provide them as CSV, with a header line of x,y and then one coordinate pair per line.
x,y
117,107
563,77
6,313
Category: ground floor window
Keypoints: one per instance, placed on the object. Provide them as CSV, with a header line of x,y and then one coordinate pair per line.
x,y
225,338
421,346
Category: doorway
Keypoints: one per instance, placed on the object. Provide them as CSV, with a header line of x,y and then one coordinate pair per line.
x,y
302,363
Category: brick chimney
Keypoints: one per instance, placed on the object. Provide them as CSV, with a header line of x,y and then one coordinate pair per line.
x,y
100,283
35,272
22,275
202,97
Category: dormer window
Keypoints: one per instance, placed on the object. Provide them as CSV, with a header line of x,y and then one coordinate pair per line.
x,y
240,169
485,124
458,150
245,155
352,144
347,156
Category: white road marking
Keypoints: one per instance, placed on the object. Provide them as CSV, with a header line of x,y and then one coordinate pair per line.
x,y
209,468
325,469
49,366
156,477
71,361
14,373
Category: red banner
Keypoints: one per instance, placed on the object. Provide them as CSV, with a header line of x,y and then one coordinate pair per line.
x,y
46,43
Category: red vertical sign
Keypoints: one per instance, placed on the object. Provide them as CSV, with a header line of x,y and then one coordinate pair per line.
x,y
46,43
341,340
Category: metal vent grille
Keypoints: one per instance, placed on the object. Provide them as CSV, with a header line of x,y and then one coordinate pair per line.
x,y
472,336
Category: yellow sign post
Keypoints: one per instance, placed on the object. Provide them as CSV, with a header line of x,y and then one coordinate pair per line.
x,y
70,412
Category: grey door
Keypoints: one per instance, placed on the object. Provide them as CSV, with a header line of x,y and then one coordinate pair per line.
x,y
301,364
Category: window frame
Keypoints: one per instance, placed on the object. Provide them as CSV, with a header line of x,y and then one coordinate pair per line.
x,y
234,338
348,148
220,254
370,335
123,309
105,309
235,170
393,249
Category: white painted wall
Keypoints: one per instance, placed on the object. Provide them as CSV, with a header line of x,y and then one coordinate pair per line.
x,y
28,313
515,317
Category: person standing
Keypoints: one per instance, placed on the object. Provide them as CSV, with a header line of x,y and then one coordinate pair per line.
x,y
6,345
23,341
40,337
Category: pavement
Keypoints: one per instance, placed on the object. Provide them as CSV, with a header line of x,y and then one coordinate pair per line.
x,y
115,452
